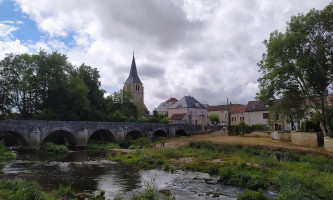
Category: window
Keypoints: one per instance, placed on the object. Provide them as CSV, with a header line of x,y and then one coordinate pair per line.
x,y
241,119
265,115
233,119
277,117
128,87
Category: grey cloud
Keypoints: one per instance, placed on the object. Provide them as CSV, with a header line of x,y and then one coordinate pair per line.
x,y
149,71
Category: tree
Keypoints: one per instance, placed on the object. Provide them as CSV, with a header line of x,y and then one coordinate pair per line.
x,y
214,118
301,60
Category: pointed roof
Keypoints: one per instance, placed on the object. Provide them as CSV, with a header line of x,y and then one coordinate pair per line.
x,y
188,102
133,76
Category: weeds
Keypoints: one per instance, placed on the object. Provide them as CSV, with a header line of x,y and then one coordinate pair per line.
x,y
4,154
51,148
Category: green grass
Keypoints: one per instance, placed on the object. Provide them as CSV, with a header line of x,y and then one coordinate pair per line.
x,y
95,145
4,154
293,174
51,148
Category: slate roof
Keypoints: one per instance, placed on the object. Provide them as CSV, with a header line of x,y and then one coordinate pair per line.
x,y
178,116
133,76
187,102
253,106
161,107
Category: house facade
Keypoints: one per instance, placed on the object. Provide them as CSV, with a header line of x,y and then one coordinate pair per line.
x,y
187,110
257,112
237,114
163,108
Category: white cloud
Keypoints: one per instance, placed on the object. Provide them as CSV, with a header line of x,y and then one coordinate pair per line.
x,y
207,49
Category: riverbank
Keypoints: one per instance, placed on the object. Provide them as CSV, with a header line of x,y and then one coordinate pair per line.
x,y
254,163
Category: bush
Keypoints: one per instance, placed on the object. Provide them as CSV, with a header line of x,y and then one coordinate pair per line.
x,y
52,148
64,193
21,190
252,195
94,145
141,142
243,128
4,154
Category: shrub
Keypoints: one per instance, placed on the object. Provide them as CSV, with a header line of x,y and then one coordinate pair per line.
x,y
64,193
252,195
4,154
52,148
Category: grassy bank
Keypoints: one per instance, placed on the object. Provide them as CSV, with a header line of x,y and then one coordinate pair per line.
x,y
4,154
100,146
295,174
23,190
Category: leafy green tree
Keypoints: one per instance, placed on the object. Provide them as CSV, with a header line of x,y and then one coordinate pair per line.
x,y
91,76
214,118
78,95
291,108
301,60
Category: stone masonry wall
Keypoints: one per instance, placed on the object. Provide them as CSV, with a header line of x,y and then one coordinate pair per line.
x,y
328,144
305,138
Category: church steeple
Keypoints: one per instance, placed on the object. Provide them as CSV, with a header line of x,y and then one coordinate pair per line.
x,y
133,76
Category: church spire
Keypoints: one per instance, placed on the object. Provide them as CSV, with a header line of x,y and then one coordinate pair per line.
x,y
133,76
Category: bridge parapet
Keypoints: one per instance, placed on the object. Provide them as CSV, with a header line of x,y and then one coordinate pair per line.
x,y
32,133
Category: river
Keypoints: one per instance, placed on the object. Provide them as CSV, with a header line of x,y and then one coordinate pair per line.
x,y
89,172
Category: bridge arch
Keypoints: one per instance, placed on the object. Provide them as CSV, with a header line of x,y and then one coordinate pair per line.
x,y
160,133
134,134
13,138
67,136
181,132
102,135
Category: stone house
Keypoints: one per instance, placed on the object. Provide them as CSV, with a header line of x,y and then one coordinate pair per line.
x,y
163,108
187,110
257,112
236,113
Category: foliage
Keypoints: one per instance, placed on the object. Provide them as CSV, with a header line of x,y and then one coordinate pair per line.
x,y
298,62
311,124
52,148
252,195
251,167
139,143
47,86
214,118
20,190
4,154
243,128
290,108
64,193
95,145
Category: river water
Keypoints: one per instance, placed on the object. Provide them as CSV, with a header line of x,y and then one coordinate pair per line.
x,y
89,172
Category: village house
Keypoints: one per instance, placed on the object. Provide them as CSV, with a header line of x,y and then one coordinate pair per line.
x,y
187,110
163,108
257,112
236,113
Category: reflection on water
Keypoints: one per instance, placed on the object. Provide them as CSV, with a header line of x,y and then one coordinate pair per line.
x,y
87,171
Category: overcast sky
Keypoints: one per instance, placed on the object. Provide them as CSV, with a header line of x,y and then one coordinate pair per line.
x,y
206,49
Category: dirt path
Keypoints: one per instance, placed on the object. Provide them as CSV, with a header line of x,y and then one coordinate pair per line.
x,y
220,138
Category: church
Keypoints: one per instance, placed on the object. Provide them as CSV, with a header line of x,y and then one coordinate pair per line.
x,y
134,84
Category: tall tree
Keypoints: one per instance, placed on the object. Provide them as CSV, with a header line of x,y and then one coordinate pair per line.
x,y
301,60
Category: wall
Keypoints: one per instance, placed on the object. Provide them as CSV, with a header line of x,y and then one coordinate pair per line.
x,y
195,113
328,144
255,118
223,116
238,116
306,138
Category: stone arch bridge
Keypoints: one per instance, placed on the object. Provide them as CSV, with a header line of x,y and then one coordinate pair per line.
x,y
31,133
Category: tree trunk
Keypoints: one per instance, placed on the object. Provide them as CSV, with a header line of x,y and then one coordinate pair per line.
x,y
323,128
